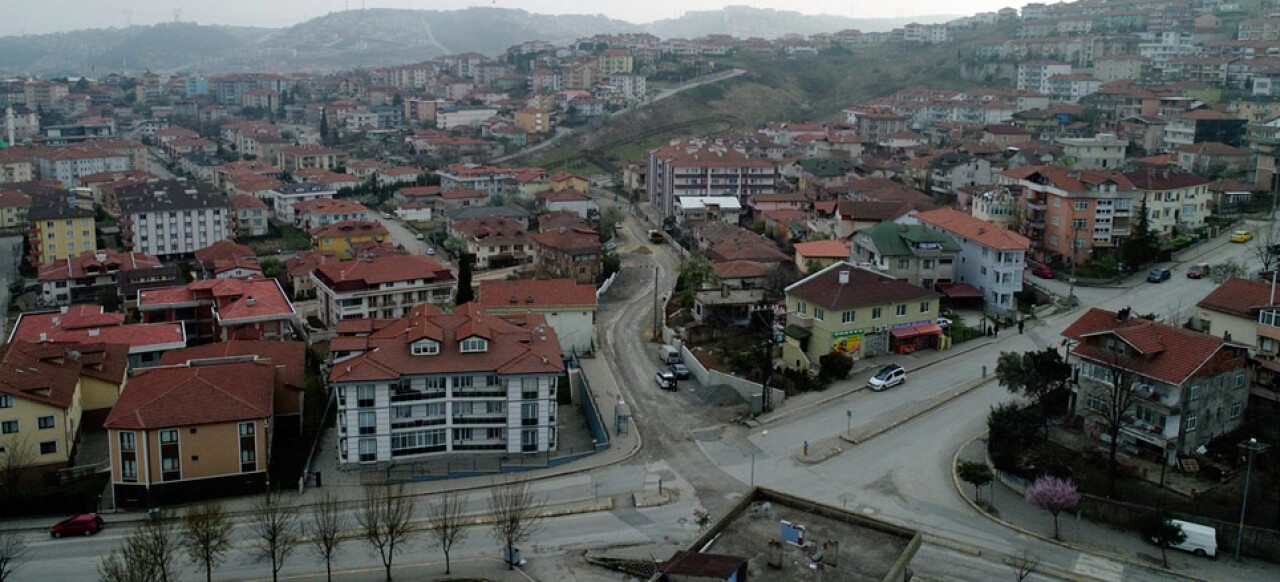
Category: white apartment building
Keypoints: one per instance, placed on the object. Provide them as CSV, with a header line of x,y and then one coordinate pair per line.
x,y
1176,202
1034,75
68,165
992,258
703,168
1104,151
172,218
383,287
435,384
448,118
284,197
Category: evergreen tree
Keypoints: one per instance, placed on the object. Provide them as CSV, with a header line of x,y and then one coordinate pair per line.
x,y
465,294
1143,246
324,127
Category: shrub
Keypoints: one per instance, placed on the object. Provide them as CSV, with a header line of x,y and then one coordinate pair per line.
x,y
834,366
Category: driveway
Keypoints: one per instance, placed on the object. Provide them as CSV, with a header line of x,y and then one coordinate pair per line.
x,y
401,235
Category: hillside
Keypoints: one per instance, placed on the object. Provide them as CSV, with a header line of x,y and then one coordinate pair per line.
x,y
168,46
744,22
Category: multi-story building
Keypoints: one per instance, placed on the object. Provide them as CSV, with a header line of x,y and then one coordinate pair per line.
x,y
568,306
43,95
325,211
383,287
493,180
1119,67
705,168
856,312
991,258
534,121
1176,202
343,237
61,227
66,165
147,342
1263,141
14,208
226,260
1035,75
1072,88
223,309
1067,213
47,392
1259,29
1202,125
871,123
248,216
172,218
493,242
292,159
432,384
614,60
1241,311
284,200
83,277
1189,387
193,431
16,166
1104,151
912,253
996,204
569,253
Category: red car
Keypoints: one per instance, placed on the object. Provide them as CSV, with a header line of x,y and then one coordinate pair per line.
x,y
1044,272
85,524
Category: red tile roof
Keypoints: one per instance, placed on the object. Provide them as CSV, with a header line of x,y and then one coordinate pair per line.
x,y
565,195
290,355
864,288
743,269
14,199
824,249
329,206
225,255
511,349
179,396
1242,297
983,232
99,262
234,300
48,373
419,191
535,293
463,194
88,323
246,202
346,228
569,239
1166,353
381,270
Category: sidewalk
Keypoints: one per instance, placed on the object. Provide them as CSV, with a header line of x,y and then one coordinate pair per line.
x,y
603,386
1009,508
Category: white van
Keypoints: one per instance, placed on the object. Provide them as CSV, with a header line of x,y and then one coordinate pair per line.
x,y
669,354
1202,540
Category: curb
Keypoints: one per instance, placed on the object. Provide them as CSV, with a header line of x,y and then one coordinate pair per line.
x,y
955,478
819,403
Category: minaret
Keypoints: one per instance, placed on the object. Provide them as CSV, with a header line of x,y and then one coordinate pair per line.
x,y
8,123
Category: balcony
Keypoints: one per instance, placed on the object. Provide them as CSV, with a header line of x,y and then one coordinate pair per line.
x,y
799,320
417,422
415,396
480,419
475,446
418,450
1036,205
486,392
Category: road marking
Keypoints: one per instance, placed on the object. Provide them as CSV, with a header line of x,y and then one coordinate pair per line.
x,y
1099,568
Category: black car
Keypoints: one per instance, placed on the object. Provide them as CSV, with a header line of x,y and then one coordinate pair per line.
x,y
680,370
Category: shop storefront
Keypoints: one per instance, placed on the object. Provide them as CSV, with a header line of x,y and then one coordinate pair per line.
x,y
906,338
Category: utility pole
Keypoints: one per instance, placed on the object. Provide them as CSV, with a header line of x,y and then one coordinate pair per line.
x,y
1253,446
657,312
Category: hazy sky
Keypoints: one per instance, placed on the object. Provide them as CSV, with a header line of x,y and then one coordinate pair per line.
x,y
33,16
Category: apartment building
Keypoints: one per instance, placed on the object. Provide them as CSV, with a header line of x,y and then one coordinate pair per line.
x,y
83,277
991,258
568,306
248,216
1035,75
68,164
383,287
1104,151
320,212
62,226
222,309
192,431
493,180
493,242
1203,125
16,166
569,252
705,168
1176,202
292,159
146,342
1190,387
284,200
1067,213
342,238
434,384
172,218
912,253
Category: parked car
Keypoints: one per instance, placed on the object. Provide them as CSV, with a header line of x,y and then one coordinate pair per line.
x,y
85,524
888,377
1201,540
1240,236
669,354
666,380
1044,272
680,370
1198,270
431,250
1159,275
944,323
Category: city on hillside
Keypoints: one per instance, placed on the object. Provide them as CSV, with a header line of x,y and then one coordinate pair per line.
x,y
954,298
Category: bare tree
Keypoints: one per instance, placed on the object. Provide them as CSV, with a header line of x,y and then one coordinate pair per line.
x,y
1114,404
13,552
17,454
149,554
206,536
1267,239
516,514
1023,565
325,530
386,521
448,523
275,528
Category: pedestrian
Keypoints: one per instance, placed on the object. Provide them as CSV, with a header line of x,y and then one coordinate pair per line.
x,y
997,330
1020,324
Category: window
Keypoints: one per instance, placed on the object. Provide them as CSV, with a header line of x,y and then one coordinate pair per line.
x,y
1236,409
1082,204
249,447
876,312
168,437
426,348
128,470
801,308
1057,203
927,264
1194,393
368,423
849,317
49,447
1080,223
1240,380
901,310
474,344
364,396
528,388
924,307
127,441
246,429
1053,239
6,401
45,422
904,263
818,313
1191,422
1054,220
463,381
8,427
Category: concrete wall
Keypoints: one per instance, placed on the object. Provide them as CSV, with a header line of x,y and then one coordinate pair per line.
x,y
745,388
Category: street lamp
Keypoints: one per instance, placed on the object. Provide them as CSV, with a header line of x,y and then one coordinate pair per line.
x,y
753,461
1253,446
848,424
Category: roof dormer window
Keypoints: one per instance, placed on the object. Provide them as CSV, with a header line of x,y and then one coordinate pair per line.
x,y
425,347
474,344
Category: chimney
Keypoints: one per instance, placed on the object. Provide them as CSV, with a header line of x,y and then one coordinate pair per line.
x,y
844,277
982,230
250,301
95,332
44,337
